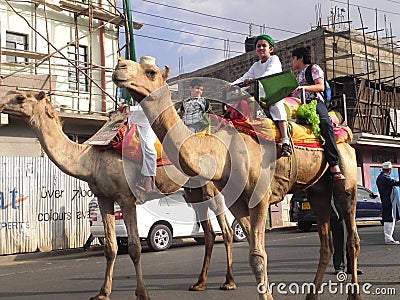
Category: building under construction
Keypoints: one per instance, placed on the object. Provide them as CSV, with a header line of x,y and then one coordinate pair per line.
x,y
68,48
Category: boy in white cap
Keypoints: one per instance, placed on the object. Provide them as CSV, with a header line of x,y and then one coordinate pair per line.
x,y
387,191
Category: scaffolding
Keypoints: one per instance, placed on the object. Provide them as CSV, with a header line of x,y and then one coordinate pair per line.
x,y
73,47
371,89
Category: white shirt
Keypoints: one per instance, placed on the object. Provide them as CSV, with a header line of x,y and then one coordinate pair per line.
x,y
258,69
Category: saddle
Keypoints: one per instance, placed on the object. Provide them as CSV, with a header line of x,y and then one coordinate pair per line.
x,y
115,134
302,135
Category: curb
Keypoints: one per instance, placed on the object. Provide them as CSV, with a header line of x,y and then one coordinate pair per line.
x,y
20,257
283,228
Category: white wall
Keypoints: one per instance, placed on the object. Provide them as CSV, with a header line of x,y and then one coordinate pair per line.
x,y
41,208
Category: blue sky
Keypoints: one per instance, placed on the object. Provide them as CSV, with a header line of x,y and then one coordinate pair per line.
x,y
221,25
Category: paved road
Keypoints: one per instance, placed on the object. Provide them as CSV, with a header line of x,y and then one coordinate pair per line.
x,y
292,260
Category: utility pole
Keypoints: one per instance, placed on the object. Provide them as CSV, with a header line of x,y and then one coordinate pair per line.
x,y
128,11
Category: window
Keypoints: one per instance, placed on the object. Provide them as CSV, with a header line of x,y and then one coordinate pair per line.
x,y
77,78
16,41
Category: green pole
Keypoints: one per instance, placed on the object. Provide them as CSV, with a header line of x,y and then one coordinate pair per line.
x,y
130,53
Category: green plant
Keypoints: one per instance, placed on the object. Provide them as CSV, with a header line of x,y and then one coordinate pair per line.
x,y
309,113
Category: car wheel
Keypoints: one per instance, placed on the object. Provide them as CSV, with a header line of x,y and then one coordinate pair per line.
x,y
200,239
160,237
305,225
238,234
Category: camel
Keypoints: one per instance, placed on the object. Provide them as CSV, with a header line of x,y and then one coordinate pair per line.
x,y
104,173
262,176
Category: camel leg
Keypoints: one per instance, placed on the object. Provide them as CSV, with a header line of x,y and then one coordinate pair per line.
x,y
195,195
110,246
241,213
321,203
135,249
227,234
209,236
257,253
353,248
347,195
353,240
325,254
217,206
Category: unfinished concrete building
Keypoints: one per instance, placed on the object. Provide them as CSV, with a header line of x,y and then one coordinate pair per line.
x,y
68,48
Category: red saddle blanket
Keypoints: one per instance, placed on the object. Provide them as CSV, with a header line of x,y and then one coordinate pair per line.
x,y
127,143
129,146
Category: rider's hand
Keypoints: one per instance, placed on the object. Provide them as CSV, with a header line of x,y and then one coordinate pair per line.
x,y
247,80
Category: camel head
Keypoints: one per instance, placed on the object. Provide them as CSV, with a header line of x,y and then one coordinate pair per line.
x,y
24,104
139,79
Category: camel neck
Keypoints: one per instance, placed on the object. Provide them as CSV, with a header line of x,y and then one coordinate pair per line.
x,y
70,157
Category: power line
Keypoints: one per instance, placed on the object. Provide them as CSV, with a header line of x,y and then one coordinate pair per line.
x,y
219,17
186,44
190,32
397,2
189,23
369,8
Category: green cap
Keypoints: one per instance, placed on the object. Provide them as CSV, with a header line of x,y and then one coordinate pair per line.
x,y
267,38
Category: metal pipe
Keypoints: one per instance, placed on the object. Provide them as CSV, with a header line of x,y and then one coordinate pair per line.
x,y
132,51
102,62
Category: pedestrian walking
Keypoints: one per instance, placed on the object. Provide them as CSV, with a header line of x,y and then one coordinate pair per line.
x,y
389,198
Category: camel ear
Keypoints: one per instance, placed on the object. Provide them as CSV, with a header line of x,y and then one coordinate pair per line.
x,y
166,72
40,96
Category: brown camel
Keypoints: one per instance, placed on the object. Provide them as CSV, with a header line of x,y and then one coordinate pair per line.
x,y
228,152
104,173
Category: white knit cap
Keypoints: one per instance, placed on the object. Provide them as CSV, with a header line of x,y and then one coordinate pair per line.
x,y
387,165
149,60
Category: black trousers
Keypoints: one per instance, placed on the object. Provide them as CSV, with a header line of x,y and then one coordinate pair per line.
x,y
339,244
330,148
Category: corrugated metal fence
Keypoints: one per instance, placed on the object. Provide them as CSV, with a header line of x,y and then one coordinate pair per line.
x,y
41,208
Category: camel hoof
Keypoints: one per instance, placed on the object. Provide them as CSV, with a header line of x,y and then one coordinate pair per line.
x,y
228,286
198,287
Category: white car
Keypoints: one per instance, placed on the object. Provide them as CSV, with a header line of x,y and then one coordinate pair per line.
x,y
161,220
